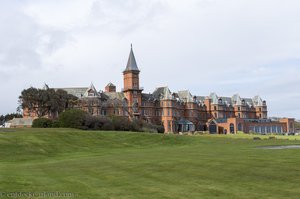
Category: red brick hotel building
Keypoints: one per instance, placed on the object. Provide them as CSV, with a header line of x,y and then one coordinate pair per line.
x,y
178,111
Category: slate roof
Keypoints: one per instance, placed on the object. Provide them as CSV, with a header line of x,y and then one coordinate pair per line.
x,y
21,122
147,97
184,122
131,64
201,98
114,95
185,96
236,100
110,85
257,101
78,92
81,92
162,93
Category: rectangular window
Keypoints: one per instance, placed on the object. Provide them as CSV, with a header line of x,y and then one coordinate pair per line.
x,y
116,112
103,112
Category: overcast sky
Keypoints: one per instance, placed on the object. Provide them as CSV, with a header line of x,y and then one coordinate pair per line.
x,y
250,47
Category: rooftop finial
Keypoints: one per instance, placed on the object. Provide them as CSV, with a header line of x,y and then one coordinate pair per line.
x,y
131,45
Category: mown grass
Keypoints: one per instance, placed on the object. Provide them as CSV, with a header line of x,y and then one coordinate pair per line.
x,y
93,164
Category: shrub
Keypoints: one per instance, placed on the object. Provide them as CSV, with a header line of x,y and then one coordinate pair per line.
x,y
75,118
160,129
121,124
42,123
97,123
55,124
72,118
149,127
108,126
91,122
136,126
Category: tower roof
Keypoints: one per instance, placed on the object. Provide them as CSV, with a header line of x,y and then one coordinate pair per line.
x,y
110,84
131,64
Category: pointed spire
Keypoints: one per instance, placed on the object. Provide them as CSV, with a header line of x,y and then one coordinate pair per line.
x,y
131,64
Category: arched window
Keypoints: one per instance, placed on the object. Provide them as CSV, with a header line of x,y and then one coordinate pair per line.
x,y
212,127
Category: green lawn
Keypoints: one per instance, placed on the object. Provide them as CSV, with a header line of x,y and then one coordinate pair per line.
x,y
93,164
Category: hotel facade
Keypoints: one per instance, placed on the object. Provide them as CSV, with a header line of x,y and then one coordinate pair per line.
x,y
177,111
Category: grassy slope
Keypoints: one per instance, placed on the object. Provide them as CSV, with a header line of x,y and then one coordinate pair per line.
x,y
135,165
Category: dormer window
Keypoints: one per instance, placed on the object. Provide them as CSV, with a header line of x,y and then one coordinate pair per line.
x,y
195,99
173,96
91,93
220,101
243,102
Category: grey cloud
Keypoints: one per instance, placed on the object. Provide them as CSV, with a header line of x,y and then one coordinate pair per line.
x,y
23,42
18,36
125,16
51,40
